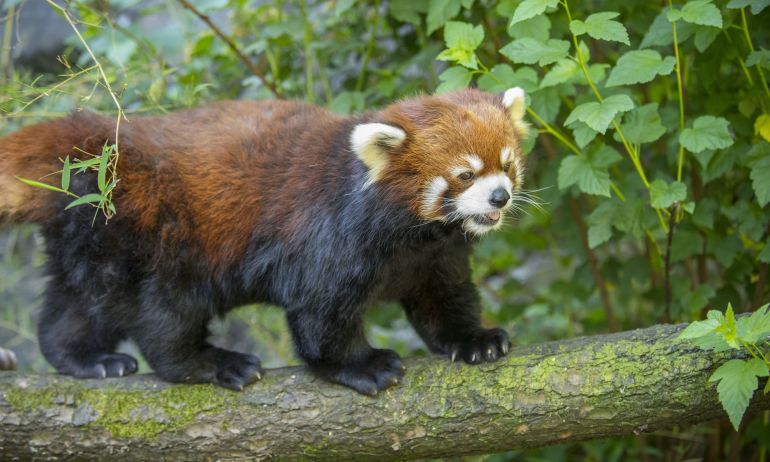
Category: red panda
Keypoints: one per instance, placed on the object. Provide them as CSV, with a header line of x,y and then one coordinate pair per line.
x,y
277,202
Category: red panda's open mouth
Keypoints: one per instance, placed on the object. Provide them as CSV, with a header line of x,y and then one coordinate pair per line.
x,y
487,219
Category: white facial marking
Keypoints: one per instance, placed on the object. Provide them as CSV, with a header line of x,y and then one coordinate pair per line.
x,y
475,162
475,201
433,192
505,155
367,141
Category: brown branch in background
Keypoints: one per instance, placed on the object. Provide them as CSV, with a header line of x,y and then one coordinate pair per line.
x,y
593,263
667,268
244,59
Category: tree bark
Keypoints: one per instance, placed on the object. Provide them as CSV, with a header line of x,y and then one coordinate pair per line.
x,y
591,387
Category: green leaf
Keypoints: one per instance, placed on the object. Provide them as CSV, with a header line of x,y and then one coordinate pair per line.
x,y
601,27
640,66
441,11
760,178
702,12
102,176
407,10
699,329
643,124
588,172
87,199
728,328
40,185
599,115
660,33
583,133
707,132
342,6
764,255
454,78
737,383
531,8
461,39
560,72
704,37
530,51
538,28
66,174
505,78
756,5
663,195
756,327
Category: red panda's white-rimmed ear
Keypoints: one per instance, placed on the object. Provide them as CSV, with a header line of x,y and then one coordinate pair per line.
x,y
370,143
515,101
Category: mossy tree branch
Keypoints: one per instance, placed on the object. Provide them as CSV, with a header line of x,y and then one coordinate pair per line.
x,y
577,389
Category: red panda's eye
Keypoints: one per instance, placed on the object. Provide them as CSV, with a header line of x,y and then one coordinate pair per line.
x,y
507,166
465,176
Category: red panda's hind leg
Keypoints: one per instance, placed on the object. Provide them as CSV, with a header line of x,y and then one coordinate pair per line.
x,y
77,341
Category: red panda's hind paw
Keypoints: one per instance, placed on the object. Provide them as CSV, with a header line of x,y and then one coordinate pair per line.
x,y
237,370
106,365
381,369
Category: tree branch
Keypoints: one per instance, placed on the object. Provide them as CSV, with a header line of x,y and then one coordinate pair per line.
x,y
592,387
244,59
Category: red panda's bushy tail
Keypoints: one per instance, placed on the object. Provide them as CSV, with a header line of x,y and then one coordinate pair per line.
x,y
34,153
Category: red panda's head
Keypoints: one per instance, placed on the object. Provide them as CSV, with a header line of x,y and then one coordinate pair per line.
x,y
456,157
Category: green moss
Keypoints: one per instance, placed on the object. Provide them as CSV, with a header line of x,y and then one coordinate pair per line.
x,y
129,414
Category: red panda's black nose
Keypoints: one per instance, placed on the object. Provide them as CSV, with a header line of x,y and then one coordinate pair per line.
x,y
499,197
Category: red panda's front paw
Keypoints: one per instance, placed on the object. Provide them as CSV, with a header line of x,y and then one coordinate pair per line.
x,y
486,345
7,360
379,370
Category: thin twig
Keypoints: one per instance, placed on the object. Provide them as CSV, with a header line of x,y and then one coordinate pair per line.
x,y
244,59
667,269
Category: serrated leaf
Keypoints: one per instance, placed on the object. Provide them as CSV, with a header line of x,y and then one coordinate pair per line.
x,y
660,33
87,199
454,78
583,133
598,235
663,195
701,12
530,51
762,126
591,178
704,37
66,174
599,115
707,132
643,124
560,72
699,329
601,26
737,384
760,179
756,5
640,66
531,8
505,78
461,39
441,11
759,58
728,328
538,28
407,10
755,327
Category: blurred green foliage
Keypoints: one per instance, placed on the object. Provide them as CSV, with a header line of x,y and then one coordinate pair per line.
x,y
650,153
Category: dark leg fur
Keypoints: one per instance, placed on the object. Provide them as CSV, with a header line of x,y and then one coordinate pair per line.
x,y
79,341
445,311
333,344
173,341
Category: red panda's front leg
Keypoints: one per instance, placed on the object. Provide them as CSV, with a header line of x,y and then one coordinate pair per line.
x,y
446,311
332,343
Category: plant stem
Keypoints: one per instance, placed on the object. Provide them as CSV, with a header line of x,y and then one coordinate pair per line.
x,y
680,163
667,265
233,47
307,41
369,47
745,27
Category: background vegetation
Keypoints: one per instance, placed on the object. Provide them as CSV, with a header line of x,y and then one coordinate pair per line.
x,y
651,153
